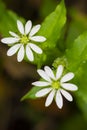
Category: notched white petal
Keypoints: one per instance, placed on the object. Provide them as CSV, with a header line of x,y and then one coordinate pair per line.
x,y
20,27
67,77
50,98
43,75
49,72
34,30
59,99
69,86
43,92
13,50
66,95
38,38
41,83
36,48
29,53
9,40
13,34
59,71
28,26
20,54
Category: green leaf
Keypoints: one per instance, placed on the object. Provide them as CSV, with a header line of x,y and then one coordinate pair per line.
x,y
77,58
31,93
81,94
51,28
77,53
77,62
8,20
45,9
76,27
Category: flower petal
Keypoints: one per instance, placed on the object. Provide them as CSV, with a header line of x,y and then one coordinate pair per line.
x,y
59,99
38,38
9,40
67,77
13,34
43,75
28,26
50,98
36,48
43,92
20,27
20,54
13,50
59,71
49,72
66,95
41,83
34,30
69,86
29,53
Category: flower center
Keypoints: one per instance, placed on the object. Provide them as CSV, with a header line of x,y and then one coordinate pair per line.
x,y
24,39
55,84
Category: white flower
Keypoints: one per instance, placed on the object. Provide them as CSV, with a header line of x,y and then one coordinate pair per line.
x,y
55,85
23,43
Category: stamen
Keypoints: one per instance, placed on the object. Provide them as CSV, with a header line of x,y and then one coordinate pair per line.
x,y
55,84
24,39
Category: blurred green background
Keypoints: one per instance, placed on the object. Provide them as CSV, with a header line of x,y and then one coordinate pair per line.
x,y
15,78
